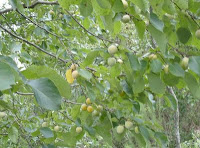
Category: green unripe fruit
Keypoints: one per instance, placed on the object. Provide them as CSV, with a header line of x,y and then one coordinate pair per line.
x,y
197,34
111,61
112,49
95,113
51,12
184,62
128,124
44,124
75,74
56,128
2,114
125,3
137,130
166,69
79,130
152,57
60,16
100,108
120,129
126,18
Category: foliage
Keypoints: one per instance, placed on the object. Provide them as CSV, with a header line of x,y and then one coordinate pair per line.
x,y
54,55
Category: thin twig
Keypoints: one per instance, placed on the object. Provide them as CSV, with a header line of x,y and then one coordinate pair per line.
x,y
31,6
88,30
32,44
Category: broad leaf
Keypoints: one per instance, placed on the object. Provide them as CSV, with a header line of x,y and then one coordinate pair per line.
x,y
156,84
46,93
194,64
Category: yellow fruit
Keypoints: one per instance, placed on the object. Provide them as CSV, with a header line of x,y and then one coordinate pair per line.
x,y
73,67
125,3
84,107
120,61
166,69
128,124
120,129
88,101
56,128
95,113
79,130
75,74
126,18
44,124
69,77
2,114
137,130
184,62
111,61
197,34
90,109
51,12
112,49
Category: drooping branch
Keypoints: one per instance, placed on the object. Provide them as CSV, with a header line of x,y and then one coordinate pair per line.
x,y
32,44
31,6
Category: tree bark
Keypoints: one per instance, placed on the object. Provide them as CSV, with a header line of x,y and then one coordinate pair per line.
x,y
176,119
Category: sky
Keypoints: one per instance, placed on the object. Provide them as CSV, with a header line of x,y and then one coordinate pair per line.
x,y
3,2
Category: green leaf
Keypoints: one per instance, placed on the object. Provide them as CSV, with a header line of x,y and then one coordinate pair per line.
x,y
86,8
135,65
194,64
46,132
156,84
118,6
7,78
13,134
183,35
46,93
192,85
156,22
144,132
104,4
142,4
35,72
170,79
16,4
85,74
183,4
140,26
172,101
159,37
156,66
140,140
138,84
176,70
103,128
90,57
162,138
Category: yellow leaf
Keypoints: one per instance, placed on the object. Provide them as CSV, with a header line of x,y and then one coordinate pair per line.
x,y
69,77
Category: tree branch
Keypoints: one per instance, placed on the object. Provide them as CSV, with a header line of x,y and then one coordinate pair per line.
x,y
101,38
32,44
31,6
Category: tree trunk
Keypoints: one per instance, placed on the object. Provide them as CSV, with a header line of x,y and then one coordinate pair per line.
x,y
176,119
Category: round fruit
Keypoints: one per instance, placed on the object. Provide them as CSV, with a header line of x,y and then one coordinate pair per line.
x,y
75,74
88,101
73,67
126,18
112,49
90,109
79,129
128,124
120,61
137,130
60,16
84,107
166,69
197,34
100,108
152,57
56,128
184,62
95,113
125,3
44,124
120,129
51,12
111,61
2,114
